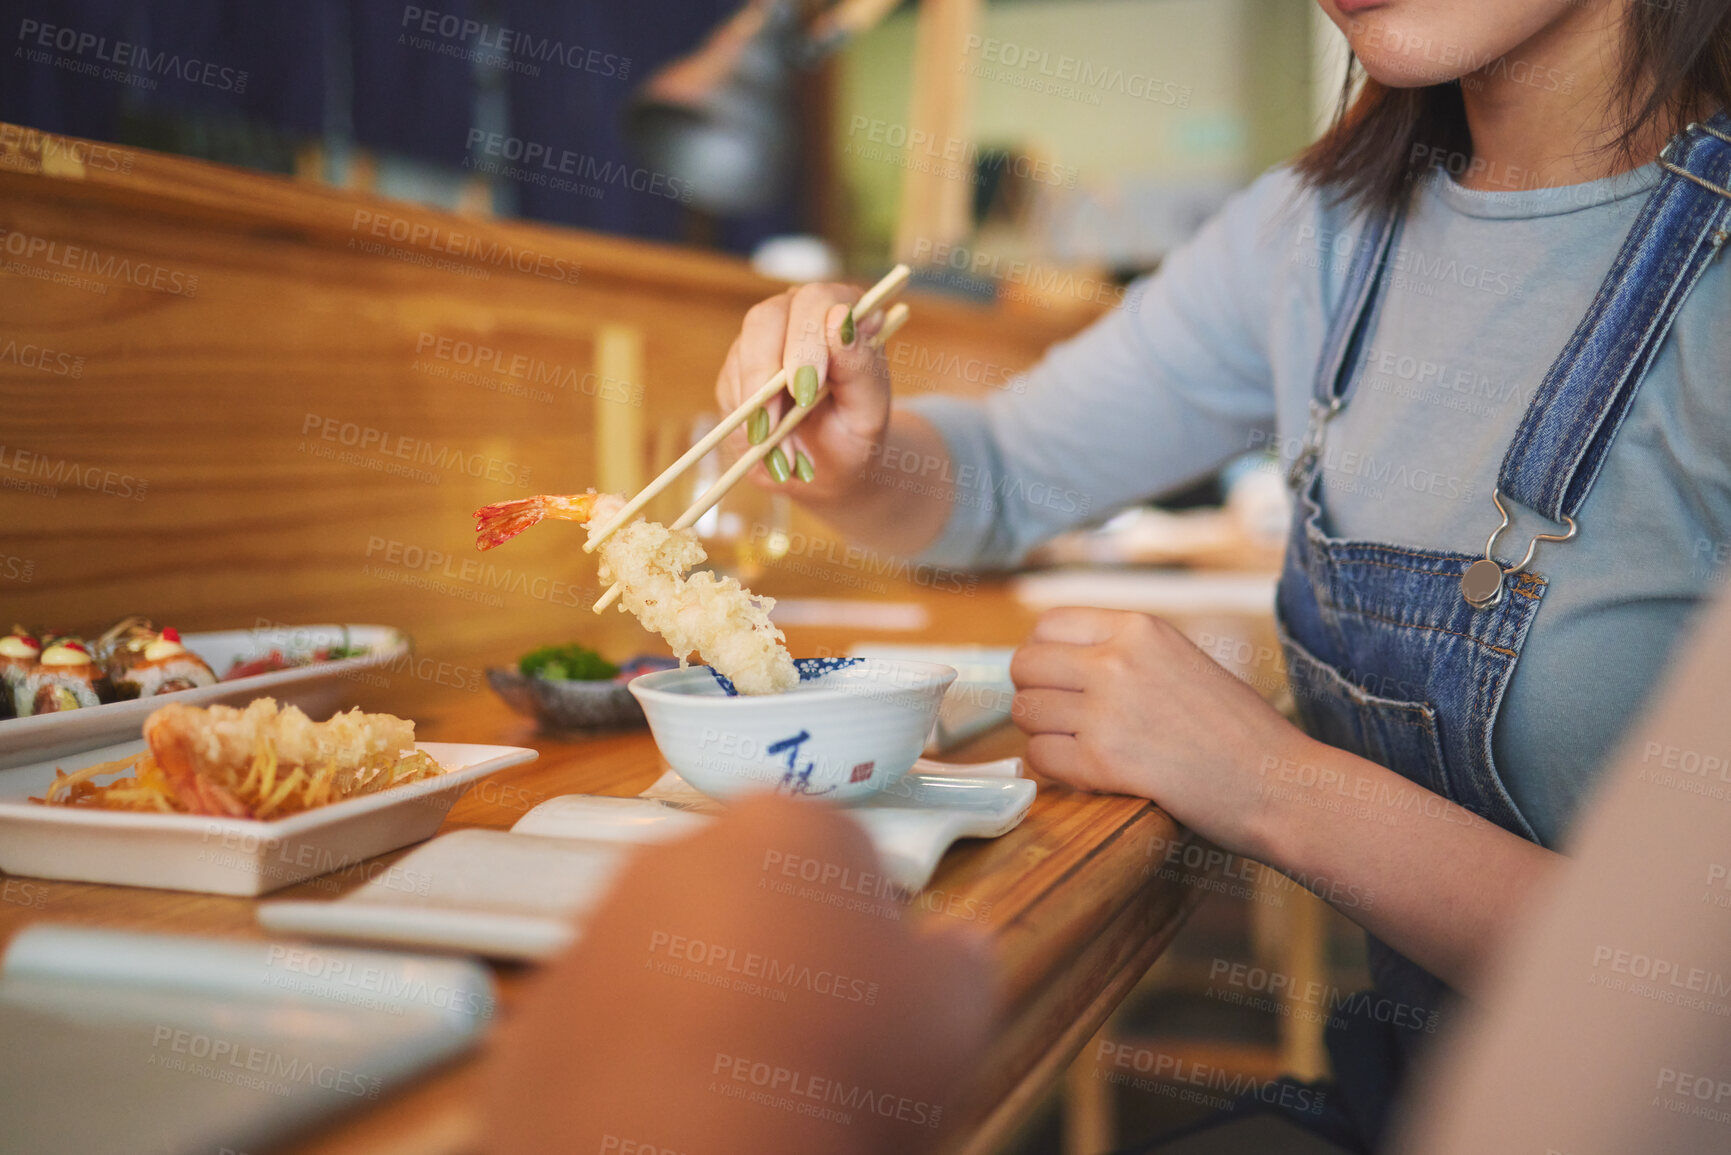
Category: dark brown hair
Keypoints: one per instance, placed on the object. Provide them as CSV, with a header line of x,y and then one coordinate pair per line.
x,y
1676,68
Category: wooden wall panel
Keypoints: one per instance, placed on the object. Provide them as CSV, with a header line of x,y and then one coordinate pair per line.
x,y
275,400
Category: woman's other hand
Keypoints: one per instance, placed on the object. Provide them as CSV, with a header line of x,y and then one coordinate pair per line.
x,y
1123,703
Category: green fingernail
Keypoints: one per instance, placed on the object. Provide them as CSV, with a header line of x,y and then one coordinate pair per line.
x,y
805,385
776,462
802,465
757,426
847,328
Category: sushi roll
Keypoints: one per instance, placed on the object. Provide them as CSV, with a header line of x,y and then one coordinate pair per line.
x,y
18,654
66,677
144,663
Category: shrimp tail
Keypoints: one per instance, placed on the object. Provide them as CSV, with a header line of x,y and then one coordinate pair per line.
x,y
171,745
499,523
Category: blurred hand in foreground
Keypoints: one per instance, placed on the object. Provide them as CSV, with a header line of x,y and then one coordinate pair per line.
x,y
754,988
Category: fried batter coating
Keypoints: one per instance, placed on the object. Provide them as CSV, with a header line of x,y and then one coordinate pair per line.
x,y
719,619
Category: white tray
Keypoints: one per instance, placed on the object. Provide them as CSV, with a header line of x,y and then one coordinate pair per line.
x,y
1150,591
227,855
149,1043
317,689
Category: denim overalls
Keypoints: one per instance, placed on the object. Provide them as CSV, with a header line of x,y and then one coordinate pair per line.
x,y
1389,657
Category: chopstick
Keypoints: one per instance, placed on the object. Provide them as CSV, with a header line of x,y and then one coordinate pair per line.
x,y
889,287
885,290
894,319
712,496
709,441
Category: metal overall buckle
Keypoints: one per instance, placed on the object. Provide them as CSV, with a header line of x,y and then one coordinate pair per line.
x,y
1482,584
1320,415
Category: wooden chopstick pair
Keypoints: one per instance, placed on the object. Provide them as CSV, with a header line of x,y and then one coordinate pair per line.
x,y
875,298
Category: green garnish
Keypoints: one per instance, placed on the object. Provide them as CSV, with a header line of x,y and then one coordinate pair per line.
x,y
571,663
345,650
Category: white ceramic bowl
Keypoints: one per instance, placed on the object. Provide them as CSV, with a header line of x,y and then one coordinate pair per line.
x,y
849,729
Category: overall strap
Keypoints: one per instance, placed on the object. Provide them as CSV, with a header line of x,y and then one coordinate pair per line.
x,y
1359,301
1575,414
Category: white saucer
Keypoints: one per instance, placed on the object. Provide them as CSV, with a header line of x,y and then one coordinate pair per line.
x,y
523,894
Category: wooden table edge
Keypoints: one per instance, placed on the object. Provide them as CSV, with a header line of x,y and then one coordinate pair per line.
x,y
1139,933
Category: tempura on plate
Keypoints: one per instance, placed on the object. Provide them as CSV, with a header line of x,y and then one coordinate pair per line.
x,y
716,617
260,762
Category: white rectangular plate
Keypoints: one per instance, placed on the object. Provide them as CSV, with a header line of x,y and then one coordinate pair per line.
x,y
317,688
225,855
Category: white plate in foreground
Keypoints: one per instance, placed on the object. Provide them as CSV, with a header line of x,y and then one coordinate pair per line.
x,y
317,689
225,855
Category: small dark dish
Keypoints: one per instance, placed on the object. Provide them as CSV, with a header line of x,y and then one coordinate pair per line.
x,y
567,705
576,704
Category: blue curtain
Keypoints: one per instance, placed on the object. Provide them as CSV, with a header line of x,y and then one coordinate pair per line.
x,y
440,82
407,97
581,109
75,66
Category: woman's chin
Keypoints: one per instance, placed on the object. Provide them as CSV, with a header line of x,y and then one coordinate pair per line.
x,y
1407,74
1402,48
1413,63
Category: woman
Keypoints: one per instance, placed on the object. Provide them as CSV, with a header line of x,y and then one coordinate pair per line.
x,y
1480,291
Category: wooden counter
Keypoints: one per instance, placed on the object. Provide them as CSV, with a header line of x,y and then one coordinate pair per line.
x,y
233,400
1067,902
229,397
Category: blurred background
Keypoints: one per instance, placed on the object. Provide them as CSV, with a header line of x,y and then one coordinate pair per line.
x,y
513,243
1087,135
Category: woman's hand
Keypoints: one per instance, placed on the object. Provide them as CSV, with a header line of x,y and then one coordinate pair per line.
x,y
1123,703
803,327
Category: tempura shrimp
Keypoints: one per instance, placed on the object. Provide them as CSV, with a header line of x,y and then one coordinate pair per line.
x,y
725,623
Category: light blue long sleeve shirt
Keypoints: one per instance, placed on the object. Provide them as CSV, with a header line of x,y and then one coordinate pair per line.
x,y
1216,354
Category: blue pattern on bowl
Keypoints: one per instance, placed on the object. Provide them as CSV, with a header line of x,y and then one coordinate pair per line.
x,y
809,669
